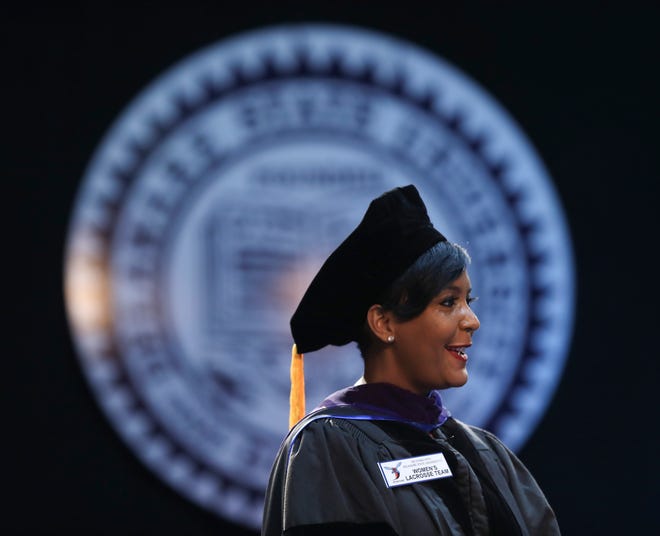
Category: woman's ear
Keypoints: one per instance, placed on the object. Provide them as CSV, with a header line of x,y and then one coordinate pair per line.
x,y
381,323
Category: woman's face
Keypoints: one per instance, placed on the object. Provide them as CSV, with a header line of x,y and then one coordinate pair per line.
x,y
430,351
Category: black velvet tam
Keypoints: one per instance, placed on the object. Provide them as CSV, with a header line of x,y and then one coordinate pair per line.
x,y
394,232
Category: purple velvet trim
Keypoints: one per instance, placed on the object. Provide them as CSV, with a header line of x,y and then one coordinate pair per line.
x,y
392,403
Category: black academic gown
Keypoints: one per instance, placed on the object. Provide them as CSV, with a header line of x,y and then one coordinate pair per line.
x,y
326,480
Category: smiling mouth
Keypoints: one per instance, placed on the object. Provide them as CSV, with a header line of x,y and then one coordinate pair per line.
x,y
458,352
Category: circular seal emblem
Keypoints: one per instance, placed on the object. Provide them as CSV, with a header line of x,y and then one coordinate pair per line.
x,y
218,193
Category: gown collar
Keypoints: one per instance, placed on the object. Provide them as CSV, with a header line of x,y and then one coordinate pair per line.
x,y
389,402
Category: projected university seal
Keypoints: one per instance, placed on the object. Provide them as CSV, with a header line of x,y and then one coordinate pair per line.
x,y
197,226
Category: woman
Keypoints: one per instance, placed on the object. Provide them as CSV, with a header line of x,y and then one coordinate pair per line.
x,y
384,456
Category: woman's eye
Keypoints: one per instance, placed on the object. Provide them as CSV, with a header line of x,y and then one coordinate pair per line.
x,y
450,302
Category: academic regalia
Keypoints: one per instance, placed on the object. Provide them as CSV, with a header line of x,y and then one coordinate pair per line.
x,y
326,478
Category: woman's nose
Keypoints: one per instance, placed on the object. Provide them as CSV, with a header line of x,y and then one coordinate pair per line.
x,y
470,322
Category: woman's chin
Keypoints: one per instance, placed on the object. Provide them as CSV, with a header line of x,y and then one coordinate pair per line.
x,y
458,381
448,383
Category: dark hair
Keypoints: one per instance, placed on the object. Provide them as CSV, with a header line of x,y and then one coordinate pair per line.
x,y
412,291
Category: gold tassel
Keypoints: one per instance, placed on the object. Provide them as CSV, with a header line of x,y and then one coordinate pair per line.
x,y
297,396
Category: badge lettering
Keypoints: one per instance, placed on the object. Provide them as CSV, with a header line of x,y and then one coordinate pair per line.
x,y
412,470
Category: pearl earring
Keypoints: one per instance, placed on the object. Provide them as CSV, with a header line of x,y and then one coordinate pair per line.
x,y
390,338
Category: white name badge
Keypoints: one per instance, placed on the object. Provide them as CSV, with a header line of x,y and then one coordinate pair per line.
x,y
417,469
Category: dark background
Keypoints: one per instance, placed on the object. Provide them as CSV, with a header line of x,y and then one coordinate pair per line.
x,y
583,84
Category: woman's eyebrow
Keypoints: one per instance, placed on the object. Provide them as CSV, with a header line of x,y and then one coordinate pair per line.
x,y
457,289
